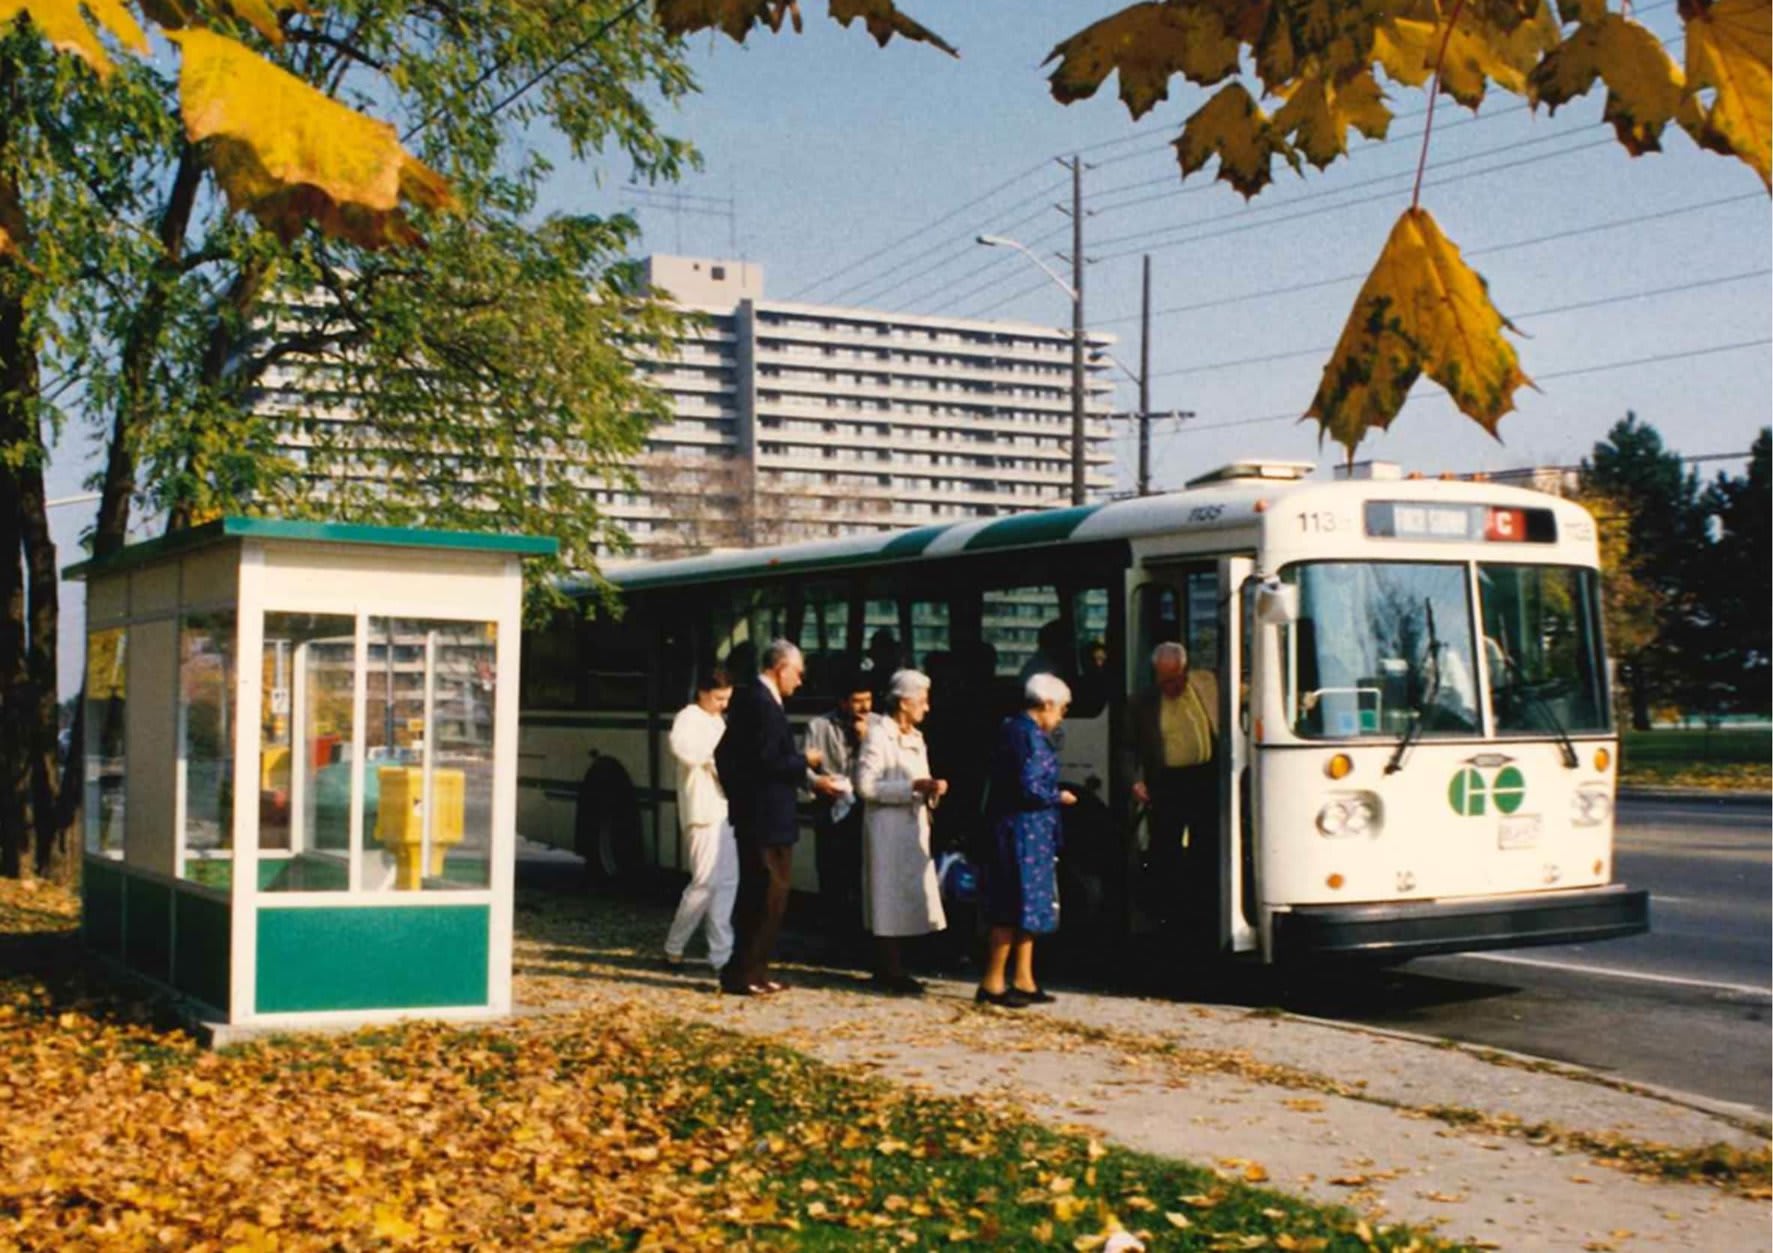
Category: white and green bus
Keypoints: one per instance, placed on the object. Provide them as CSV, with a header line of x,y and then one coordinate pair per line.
x,y
1417,749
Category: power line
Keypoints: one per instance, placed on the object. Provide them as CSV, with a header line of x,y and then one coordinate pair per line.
x,y
914,235
921,231
1555,236
1387,196
1520,317
1295,416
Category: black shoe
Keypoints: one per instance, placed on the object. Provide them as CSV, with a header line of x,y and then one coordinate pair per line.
x,y
1040,996
898,985
1009,998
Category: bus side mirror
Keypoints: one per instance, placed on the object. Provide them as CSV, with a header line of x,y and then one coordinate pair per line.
x,y
1277,603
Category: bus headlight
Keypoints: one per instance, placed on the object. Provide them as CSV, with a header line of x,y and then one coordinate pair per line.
x,y
1590,806
1350,814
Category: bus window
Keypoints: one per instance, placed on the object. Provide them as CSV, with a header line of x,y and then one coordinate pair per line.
x,y
1542,648
744,621
1180,605
617,660
1089,614
551,666
1158,610
1381,644
824,638
929,631
1011,620
1202,591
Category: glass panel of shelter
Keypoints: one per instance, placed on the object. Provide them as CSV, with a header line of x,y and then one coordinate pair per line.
x,y
107,671
308,679
429,737
206,723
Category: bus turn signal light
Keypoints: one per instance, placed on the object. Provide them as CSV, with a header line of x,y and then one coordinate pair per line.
x,y
1334,882
1602,759
1340,766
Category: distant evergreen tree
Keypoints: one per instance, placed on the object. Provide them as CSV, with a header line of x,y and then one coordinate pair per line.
x,y
1732,636
1634,470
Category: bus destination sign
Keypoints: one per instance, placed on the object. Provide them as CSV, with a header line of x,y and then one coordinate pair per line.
x,y
1437,523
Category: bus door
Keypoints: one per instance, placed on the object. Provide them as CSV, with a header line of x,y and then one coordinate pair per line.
x,y
1236,731
1191,603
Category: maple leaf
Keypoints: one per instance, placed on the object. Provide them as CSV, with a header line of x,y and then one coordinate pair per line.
x,y
736,18
1233,127
1319,114
1421,310
1644,85
1480,49
288,154
1729,44
1146,44
884,21
63,24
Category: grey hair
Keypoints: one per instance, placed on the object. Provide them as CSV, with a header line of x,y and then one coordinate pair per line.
x,y
1045,689
1171,650
776,652
909,683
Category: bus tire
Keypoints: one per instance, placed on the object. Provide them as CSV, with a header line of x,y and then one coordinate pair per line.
x,y
606,824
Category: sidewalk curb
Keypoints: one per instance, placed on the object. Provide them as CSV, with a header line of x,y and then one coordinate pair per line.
x,y
1743,1117
1637,793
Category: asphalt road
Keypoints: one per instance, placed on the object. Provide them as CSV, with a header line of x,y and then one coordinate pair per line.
x,y
1684,1007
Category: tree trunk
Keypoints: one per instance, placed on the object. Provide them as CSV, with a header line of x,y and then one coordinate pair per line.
x,y
54,857
140,346
18,438
1639,686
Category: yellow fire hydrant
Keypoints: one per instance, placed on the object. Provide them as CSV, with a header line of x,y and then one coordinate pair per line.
x,y
400,819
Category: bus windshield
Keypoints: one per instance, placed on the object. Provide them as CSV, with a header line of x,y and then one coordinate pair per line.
x,y
1379,644
1542,645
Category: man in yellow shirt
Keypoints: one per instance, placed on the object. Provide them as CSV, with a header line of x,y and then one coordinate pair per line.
x,y
1175,742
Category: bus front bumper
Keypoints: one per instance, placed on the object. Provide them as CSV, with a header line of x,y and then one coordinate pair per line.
x,y
1419,928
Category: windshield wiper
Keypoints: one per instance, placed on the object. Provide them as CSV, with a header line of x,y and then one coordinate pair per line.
x,y
1518,682
1430,691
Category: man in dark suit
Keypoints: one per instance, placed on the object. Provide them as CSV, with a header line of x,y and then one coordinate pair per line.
x,y
762,772
1173,740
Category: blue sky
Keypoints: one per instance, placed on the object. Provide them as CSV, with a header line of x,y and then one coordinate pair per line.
x,y
831,149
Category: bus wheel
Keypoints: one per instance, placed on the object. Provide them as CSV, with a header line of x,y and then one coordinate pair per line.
x,y
606,823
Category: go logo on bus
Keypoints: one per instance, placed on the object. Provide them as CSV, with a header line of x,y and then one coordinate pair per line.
x,y
1471,795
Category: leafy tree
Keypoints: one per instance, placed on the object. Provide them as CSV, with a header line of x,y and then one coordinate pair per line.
x,y
1732,582
178,248
1649,496
1317,63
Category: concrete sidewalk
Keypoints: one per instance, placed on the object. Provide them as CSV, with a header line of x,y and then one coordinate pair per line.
x,y
1482,1146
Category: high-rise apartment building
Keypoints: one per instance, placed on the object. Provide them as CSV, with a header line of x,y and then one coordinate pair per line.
x,y
797,421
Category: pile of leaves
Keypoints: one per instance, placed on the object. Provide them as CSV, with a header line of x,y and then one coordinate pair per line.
x,y
615,1128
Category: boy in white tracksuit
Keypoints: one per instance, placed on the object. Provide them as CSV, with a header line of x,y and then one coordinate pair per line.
x,y
702,812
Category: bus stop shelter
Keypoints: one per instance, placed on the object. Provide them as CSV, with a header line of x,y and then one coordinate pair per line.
x,y
300,768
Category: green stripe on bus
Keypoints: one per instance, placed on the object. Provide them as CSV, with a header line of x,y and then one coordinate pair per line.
x,y
912,543
1031,528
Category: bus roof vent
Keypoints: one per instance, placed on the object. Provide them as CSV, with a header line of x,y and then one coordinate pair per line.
x,y
1281,471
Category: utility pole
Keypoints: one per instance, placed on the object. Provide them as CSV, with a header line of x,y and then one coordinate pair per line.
x,y
1078,442
1145,383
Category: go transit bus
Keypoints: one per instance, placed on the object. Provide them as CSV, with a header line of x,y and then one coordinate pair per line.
x,y
1416,749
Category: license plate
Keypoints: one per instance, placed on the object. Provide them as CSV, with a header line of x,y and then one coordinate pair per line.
x,y
1521,832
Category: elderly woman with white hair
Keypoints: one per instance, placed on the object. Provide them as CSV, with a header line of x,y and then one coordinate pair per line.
x,y
1021,881
900,895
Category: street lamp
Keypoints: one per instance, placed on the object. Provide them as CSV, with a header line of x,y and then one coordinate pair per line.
x,y
1075,292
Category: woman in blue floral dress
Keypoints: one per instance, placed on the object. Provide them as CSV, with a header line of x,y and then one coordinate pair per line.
x,y
1021,888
